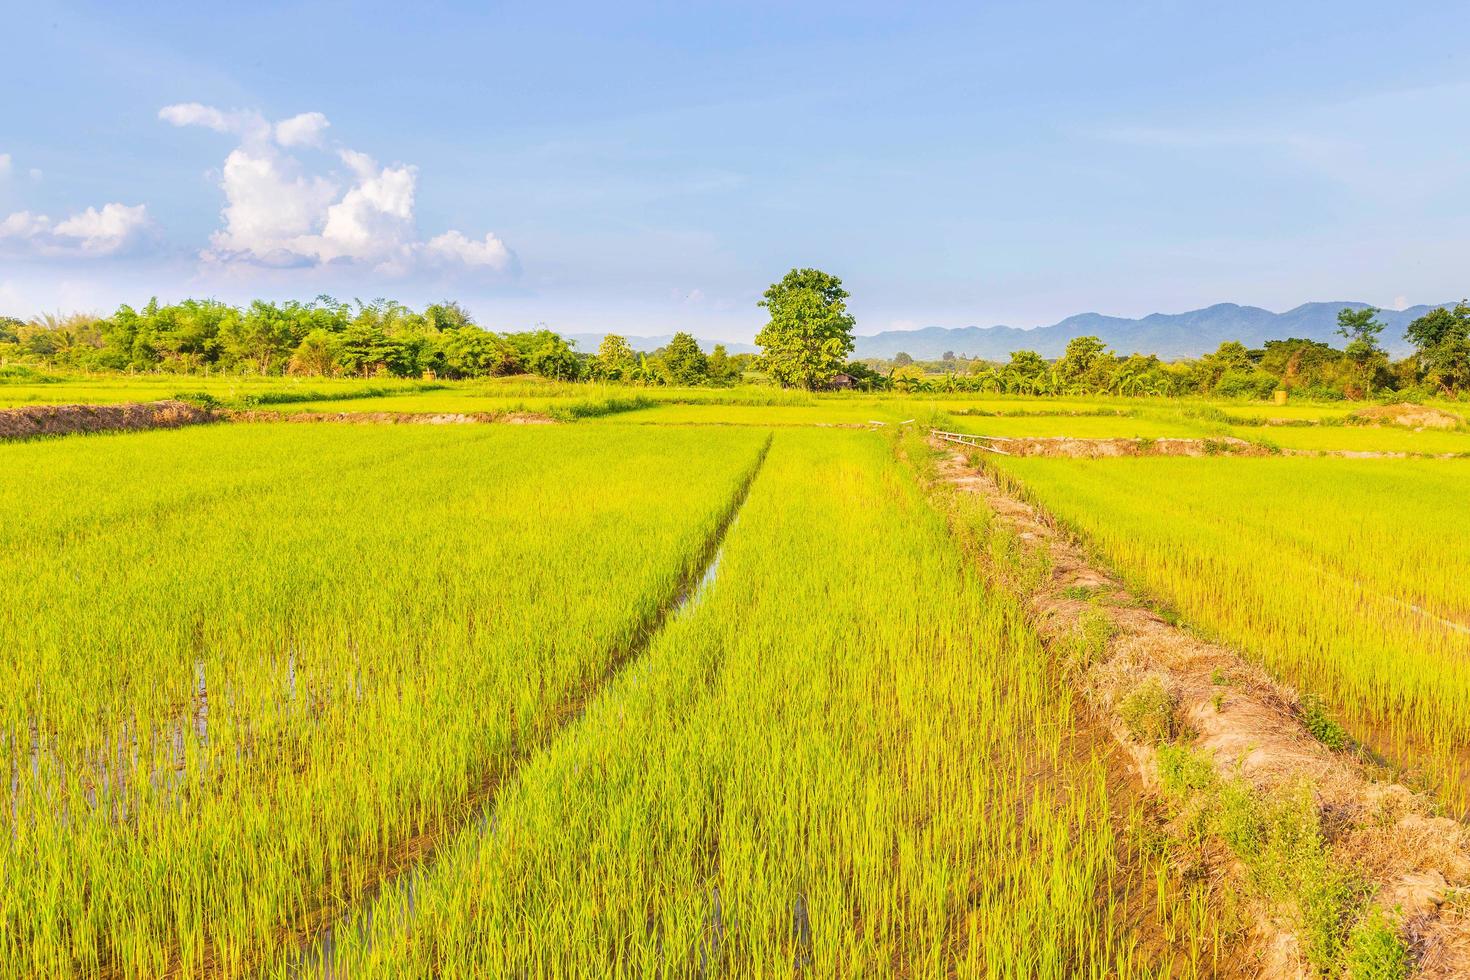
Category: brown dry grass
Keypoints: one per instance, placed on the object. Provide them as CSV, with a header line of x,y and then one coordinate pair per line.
x,y
1409,416
393,418
34,421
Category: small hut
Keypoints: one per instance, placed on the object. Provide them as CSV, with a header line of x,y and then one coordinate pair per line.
x,y
842,382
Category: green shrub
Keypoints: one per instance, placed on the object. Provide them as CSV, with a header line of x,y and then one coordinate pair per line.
x,y
21,375
1375,949
201,399
1183,771
1148,712
1324,727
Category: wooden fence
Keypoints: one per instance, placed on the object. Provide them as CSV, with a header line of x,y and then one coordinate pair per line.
x,y
964,439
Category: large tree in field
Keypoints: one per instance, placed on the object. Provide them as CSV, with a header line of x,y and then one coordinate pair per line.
x,y
615,360
684,361
1361,329
809,334
1441,339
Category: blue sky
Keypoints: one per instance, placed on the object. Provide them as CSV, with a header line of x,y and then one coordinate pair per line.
x,y
649,167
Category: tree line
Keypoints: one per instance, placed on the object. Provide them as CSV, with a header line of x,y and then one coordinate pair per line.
x,y
807,342
326,337
1360,368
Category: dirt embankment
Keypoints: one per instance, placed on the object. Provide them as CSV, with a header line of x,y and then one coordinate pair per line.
x,y
393,418
1408,416
1100,448
58,420
1252,732
1066,447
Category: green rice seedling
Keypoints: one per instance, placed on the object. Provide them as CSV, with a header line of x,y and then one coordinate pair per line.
x,y
253,671
847,758
1335,573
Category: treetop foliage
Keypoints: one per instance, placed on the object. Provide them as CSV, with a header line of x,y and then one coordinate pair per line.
x,y
806,342
328,337
809,335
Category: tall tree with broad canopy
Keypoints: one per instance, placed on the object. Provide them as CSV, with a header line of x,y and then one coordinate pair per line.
x,y
615,359
809,335
684,361
1441,339
721,369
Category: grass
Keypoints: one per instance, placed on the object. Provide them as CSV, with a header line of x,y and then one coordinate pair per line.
x,y
1147,712
1362,438
283,657
1324,569
1287,859
891,786
257,673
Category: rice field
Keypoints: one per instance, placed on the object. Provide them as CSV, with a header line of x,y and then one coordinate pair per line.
x,y
391,700
1339,574
259,692
228,389
698,683
769,794
1361,439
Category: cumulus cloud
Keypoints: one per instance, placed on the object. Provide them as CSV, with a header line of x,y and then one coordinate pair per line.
x,y
279,213
303,130
453,247
110,230
24,225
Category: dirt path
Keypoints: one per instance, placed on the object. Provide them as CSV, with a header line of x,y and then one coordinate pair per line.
x,y
392,418
32,421
1251,729
1068,447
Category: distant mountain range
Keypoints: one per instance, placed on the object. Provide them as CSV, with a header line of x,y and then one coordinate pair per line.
x,y
1169,335
589,342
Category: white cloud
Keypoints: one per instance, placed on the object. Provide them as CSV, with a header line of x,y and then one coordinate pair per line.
x,y
271,210
106,231
276,213
8,168
24,224
238,121
303,130
1401,302
453,247
93,232
374,219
